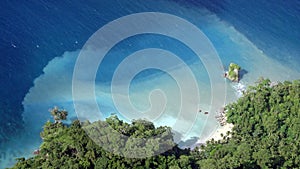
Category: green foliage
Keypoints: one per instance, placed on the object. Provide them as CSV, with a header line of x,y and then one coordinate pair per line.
x,y
233,72
233,66
266,130
265,135
70,147
58,114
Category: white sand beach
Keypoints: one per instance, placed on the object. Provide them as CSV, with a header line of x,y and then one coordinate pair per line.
x,y
215,135
221,130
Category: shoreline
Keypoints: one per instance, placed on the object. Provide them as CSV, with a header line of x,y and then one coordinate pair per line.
x,y
223,128
216,135
220,130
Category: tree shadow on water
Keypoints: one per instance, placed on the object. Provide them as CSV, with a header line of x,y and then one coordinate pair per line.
x,y
242,72
190,143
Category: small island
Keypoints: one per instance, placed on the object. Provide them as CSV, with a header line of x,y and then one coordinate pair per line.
x,y
233,72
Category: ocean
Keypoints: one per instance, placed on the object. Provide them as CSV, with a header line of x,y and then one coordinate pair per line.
x,y
41,42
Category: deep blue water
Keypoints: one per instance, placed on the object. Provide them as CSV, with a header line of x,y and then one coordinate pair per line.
x,y
273,26
34,32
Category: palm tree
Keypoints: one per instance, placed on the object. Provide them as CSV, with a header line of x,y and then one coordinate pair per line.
x,y
58,114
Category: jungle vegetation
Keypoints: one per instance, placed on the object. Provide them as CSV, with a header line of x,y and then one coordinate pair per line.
x,y
266,134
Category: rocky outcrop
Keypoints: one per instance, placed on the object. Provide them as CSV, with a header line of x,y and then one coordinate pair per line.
x,y
221,117
233,72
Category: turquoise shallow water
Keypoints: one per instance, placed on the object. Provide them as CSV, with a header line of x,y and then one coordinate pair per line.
x,y
222,28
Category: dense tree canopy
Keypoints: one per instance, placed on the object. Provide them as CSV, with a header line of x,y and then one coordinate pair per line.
x,y
266,130
70,147
265,135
